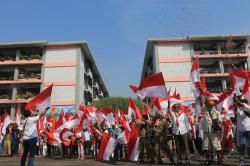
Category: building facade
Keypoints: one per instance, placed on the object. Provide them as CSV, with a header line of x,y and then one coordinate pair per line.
x,y
217,56
27,68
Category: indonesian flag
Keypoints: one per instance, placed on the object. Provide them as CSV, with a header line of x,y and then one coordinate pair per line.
x,y
40,101
40,125
106,114
123,138
53,137
226,99
6,122
65,136
68,115
60,120
153,85
160,104
18,117
133,110
69,124
90,111
194,75
108,145
51,122
246,91
79,128
240,77
133,150
94,131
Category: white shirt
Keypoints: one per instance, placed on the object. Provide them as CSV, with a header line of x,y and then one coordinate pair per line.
x,y
184,125
86,136
30,128
243,121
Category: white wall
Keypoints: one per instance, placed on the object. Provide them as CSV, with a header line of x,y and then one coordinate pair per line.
x,y
58,74
175,69
181,87
60,55
181,69
173,51
63,93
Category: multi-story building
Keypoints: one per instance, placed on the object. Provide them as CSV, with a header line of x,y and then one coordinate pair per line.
x,y
217,55
26,68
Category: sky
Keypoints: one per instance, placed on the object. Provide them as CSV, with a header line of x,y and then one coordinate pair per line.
x,y
117,30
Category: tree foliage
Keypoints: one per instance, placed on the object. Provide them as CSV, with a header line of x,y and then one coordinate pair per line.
x,y
117,103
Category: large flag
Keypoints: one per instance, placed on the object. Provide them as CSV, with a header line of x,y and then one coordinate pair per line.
x,y
226,98
53,137
108,145
65,136
133,144
6,122
133,110
246,91
106,114
153,85
40,101
195,79
18,117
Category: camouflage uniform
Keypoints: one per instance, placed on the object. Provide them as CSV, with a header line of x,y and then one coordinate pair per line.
x,y
144,142
161,141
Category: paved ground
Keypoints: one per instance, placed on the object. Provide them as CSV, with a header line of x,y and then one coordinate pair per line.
x,y
14,161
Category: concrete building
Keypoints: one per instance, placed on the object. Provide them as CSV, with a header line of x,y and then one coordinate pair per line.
x,y
26,68
173,57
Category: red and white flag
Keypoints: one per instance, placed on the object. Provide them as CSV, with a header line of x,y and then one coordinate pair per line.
x,y
65,136
40,101
226,98
153,85
133,110
106,114
195,78
133,144
53,137
6,122
108,145
60,120
246,91
18,117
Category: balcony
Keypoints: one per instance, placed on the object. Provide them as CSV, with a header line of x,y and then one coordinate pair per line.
x,y
6,74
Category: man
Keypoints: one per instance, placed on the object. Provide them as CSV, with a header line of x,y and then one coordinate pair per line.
x,y
181,131
161,138
30,136
144,142
210,127
242,110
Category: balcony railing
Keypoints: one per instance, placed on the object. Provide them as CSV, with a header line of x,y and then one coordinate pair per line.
x,y
206,52
210,70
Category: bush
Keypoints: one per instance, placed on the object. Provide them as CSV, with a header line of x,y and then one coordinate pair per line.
x,y
35,57
29,95
117,102
24,57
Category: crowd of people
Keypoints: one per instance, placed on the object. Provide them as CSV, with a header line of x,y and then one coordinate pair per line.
x,y
175,135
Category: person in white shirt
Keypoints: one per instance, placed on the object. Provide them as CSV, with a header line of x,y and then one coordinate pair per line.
x,y
181,131
30,136
242,110
87,141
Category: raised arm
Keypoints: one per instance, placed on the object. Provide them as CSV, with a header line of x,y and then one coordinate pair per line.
x,y
43,112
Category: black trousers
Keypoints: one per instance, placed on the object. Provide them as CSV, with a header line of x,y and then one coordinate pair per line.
x,y
29,147
181,143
